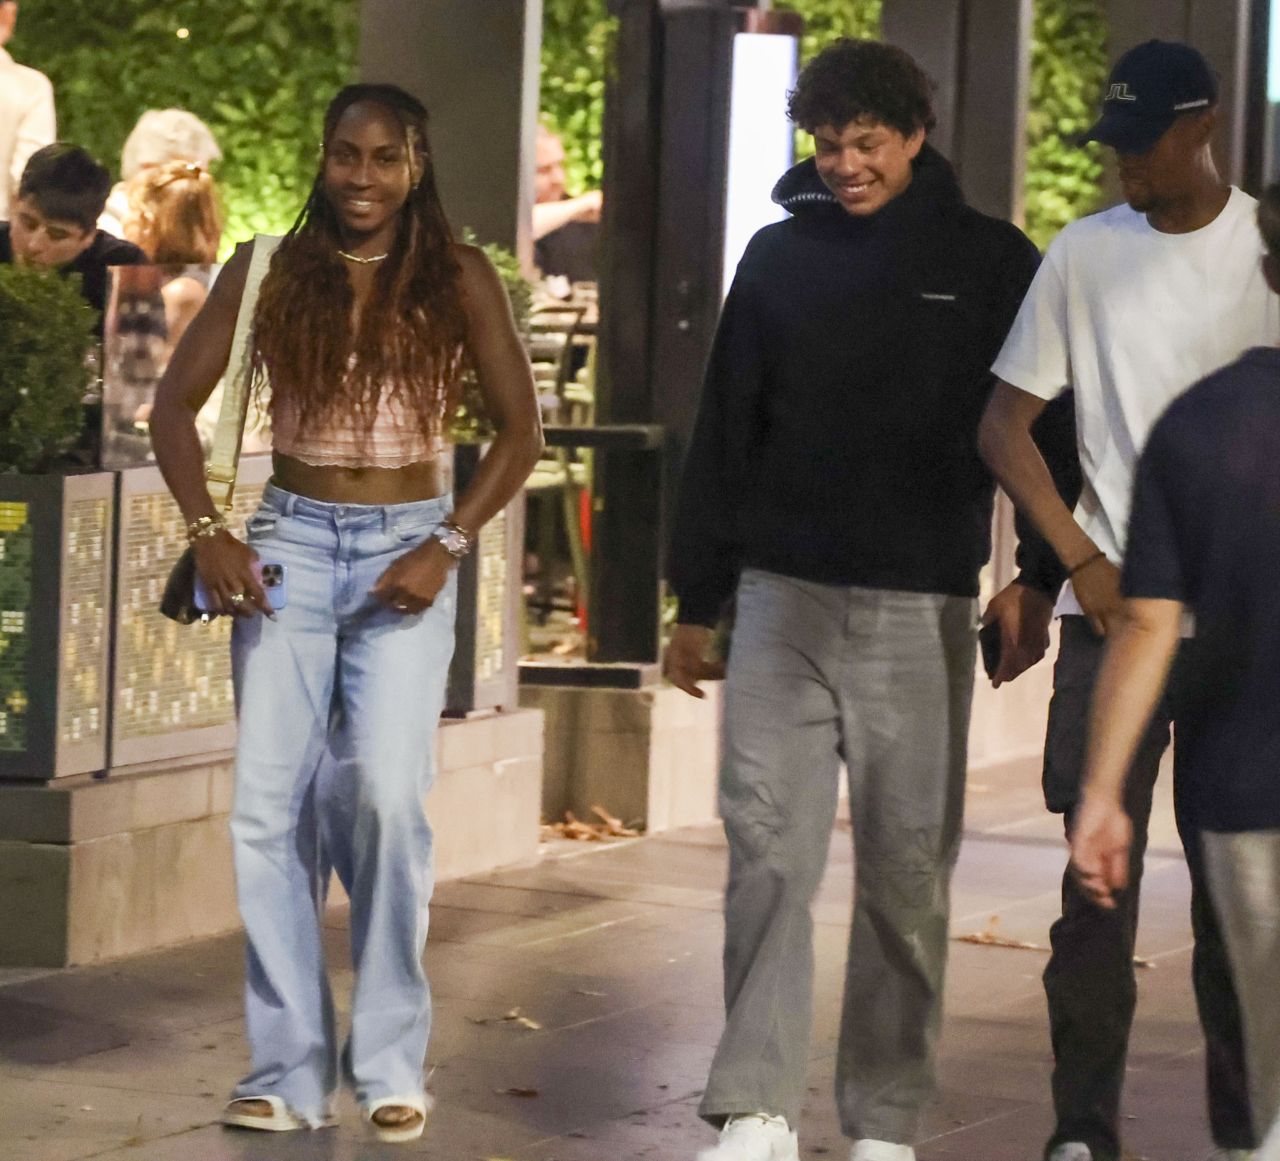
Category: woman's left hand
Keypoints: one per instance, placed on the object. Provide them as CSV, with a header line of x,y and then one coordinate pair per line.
x,y
415,579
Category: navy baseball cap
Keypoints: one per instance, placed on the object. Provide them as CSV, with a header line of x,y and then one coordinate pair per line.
x,y
1147,90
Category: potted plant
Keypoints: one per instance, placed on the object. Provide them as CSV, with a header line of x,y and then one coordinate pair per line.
x,y
56,524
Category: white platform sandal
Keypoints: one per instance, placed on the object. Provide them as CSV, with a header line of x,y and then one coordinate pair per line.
x,y
280,1119
421,1104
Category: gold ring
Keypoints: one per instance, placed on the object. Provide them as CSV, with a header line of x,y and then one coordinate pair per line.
x,y
236,598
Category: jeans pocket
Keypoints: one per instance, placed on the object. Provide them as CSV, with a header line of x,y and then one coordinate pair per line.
x,y
261,524
413,528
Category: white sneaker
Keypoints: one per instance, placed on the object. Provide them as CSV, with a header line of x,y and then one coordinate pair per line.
x,y
1072,1151
758,1137
869,1150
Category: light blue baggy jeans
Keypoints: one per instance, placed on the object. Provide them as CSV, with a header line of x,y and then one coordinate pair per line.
x,y
338,700
880,680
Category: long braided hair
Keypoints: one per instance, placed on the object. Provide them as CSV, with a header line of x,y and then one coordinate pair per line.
x,y
411,334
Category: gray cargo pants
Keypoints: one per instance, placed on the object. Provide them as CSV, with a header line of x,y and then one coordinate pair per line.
x,y
1244,879
881,680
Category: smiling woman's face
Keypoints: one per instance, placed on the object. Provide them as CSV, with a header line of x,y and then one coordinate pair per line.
x,y
368,170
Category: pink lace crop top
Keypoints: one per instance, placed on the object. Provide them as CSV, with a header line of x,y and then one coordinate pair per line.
x,y
394,439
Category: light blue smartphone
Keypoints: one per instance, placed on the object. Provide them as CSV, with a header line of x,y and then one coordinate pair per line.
x,y
272,577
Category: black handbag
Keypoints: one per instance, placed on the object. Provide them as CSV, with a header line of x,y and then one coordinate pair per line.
x,y
179,600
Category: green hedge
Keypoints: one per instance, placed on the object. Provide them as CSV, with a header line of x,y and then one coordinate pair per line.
x,y
1068,71
828,20
259,72
576,39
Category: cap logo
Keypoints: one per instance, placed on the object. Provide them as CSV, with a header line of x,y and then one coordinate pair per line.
x,y
1120,92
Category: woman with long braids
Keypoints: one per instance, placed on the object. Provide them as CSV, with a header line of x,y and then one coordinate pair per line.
x,y
366,318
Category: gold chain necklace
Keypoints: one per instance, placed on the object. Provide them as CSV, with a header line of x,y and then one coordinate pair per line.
x,y
363,261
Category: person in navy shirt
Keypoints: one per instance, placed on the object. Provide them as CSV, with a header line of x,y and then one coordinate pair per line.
x,y
1204,541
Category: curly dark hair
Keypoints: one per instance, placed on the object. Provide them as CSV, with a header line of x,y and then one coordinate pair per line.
x,y
413,330
851,79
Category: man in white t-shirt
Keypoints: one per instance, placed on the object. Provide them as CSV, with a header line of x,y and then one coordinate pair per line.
x,y
1130,308
26,112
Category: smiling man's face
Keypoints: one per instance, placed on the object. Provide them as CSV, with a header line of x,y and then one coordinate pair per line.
x,y
866,164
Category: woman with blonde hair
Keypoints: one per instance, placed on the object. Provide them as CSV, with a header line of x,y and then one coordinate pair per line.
x,y
160,136
174,217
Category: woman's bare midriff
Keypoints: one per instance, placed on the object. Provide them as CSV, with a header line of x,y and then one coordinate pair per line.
x,y
333,485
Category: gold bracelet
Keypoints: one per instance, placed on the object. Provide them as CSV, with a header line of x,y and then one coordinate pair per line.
x,y
205,526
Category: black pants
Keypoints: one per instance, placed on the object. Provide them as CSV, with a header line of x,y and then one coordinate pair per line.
x,y
1090,980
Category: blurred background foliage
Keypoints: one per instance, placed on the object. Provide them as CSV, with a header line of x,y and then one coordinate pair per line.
x,y
1068,73
828,20
577,39
1068,68
258,72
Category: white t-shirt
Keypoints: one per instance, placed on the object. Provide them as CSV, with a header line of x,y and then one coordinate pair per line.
x,y
1130,318
26,123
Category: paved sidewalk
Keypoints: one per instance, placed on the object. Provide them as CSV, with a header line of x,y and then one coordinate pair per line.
x,y
614,955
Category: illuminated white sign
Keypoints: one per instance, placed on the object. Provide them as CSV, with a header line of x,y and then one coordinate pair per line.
x,y
761,138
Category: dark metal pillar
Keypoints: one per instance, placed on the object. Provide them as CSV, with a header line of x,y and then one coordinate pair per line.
x,y
476,67
979,53
666,150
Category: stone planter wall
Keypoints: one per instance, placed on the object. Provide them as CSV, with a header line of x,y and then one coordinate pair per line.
x,y
56,535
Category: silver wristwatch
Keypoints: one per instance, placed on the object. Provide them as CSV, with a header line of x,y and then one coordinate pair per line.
x,y
456,539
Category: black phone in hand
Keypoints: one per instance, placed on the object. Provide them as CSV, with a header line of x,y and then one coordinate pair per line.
x,y
989,643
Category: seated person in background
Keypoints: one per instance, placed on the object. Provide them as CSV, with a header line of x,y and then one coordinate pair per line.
x,y
160,136
173,216
27,119
60,196
566,231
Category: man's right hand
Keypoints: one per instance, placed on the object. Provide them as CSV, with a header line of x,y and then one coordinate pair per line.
x,y
1101,839
1024,616
685,662
1097,588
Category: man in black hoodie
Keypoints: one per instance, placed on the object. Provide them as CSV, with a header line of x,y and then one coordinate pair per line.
x,y
834,484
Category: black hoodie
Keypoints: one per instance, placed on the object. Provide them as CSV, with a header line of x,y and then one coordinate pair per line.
x,y
836,438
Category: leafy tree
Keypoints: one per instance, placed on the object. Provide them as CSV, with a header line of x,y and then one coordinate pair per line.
x,y
258,72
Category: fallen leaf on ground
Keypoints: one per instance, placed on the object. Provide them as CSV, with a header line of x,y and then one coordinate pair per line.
x,y
515,1016
524,1093
991,937
572,827
614,826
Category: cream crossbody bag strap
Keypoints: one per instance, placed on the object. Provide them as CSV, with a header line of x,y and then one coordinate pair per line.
x,y
224,457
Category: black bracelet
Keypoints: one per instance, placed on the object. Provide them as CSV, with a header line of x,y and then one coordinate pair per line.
x,y
1088,560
